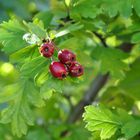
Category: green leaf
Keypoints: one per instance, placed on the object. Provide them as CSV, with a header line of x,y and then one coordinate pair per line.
x,y
101,119
31,68
38,134
136,4
113,9
86,9
134,27
13,26
125,12
34,96
92,8
110,8
68,29
67,2
124,116
114,97
7,93
111,60
25,54
19,112
130,85
36,28
136,38
51,85
76,132
46,17
13,114
48,84
11,36
41,77
131,129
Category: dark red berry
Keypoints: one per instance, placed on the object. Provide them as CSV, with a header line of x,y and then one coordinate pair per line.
x,y
76,69
58,70
66,56
47,49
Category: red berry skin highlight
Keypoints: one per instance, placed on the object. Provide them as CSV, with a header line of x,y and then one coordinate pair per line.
x,y
47,49
58,70
76,69
66,56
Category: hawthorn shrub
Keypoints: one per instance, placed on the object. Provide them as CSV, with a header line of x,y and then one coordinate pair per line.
x,y
103,102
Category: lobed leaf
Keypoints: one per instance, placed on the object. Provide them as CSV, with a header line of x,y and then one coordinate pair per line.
x,y
101,119
130,85
19,112
111,60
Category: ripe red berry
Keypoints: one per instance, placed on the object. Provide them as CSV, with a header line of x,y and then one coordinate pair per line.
x,y
47,49
76,69
58,70
66,56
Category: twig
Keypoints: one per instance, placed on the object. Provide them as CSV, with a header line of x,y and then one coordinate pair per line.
x,y
88,98
101,39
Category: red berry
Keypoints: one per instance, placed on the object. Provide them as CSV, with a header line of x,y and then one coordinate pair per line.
x,y
47,49
58,70
66,56
76,69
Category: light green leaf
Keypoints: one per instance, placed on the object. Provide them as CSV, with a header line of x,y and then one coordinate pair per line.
x,y
18,125
13,114
69,29
36,28
86,9
34,95
47,83
51,85
101,119
31,68
13,26
7,93
25,54
136,38
19,112
67,2
11,36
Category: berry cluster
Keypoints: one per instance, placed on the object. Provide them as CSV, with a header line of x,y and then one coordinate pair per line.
x,y
67,63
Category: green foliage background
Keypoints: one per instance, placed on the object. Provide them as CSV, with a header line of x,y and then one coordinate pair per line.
x,y
105,35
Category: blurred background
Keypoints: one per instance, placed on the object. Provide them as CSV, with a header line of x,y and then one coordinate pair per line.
x,y
61,118
25,9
